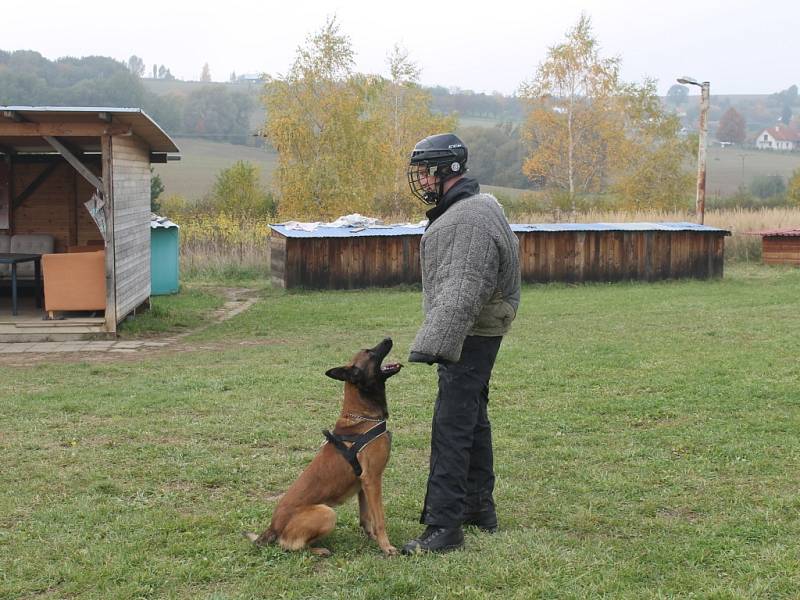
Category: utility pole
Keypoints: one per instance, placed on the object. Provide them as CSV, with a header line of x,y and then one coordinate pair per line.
x,y
705,95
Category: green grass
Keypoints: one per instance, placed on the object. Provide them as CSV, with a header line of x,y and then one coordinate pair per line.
x,y
646,446
175,313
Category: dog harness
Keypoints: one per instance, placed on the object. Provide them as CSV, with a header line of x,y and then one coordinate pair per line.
x,y
359,442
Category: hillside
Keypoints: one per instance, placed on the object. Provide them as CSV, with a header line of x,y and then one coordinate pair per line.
x,y
201,160
184,88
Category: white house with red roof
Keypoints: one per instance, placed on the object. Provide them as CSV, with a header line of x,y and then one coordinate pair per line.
x,y
780,137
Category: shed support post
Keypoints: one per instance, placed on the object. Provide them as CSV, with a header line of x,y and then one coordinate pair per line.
x,y
108,196
75,162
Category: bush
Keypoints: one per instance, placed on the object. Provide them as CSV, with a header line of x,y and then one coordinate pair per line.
x,y
238,190
743,198
793,193
156,189
767,186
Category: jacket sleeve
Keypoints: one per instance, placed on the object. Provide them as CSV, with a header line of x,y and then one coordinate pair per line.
x,y
460,273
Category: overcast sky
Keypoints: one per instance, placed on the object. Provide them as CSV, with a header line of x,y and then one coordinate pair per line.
x,y
740,46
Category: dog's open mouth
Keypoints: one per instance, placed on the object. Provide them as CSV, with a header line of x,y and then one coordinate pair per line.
x,y
391,368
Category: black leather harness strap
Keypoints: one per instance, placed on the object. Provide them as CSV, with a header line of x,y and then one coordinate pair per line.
x,y
358,442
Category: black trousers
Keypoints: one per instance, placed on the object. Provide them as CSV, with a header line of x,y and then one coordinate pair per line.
x,y
461,477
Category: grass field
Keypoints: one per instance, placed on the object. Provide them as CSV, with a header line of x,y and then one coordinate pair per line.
x,y
201,161
646,442
728,168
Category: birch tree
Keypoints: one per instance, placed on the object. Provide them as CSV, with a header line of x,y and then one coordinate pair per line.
x,y
590,132
318,120
570,124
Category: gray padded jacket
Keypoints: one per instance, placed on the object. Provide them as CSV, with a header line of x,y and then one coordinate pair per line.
x,y
470,276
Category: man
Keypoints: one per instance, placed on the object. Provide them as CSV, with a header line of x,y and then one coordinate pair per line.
x,y
471,291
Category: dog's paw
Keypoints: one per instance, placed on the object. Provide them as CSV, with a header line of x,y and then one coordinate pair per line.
x,y
390,551
321,552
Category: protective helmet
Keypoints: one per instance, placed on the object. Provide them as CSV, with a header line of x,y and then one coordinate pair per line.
x,y
443,156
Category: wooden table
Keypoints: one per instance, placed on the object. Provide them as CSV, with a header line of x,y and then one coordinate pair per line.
x,y
14,259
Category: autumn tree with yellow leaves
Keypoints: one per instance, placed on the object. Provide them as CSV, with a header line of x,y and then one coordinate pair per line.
x,y
648,170
344,138
318,120
590,132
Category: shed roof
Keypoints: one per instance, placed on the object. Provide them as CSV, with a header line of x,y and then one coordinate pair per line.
x,y
72,118
330,232
777,233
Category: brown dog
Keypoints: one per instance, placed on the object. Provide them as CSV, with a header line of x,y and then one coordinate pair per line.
x,y
351,461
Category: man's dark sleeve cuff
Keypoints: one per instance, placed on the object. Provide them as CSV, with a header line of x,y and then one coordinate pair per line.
x,y
421,357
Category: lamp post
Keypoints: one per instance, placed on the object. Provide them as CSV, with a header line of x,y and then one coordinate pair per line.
x,y
705,89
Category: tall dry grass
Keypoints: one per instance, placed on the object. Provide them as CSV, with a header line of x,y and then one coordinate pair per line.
x,y
227,246
740,247
222,245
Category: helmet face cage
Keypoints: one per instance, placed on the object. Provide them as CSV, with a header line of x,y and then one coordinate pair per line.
x,y
439,167
426,193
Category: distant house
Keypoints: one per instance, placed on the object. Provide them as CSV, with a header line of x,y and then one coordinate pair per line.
x,y
780,137
251,78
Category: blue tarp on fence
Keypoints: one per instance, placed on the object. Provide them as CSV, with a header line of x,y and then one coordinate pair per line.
x,y
323,232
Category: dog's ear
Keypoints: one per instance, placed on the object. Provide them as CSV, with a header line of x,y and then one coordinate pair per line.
x,y
351,374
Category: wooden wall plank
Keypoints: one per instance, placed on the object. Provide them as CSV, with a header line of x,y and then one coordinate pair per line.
x,y
131,190
57,206
780,250
107,145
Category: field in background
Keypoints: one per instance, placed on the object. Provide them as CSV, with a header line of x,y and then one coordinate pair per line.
x,y
729,168
201,160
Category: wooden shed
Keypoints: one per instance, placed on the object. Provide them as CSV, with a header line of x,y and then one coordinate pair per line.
x,y
575,252
780,246
344,257
53,160
335,258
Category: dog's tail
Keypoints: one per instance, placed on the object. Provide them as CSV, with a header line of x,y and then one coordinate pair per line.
x,y
265,538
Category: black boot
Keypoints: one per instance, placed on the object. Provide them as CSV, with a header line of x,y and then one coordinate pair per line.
x,y
485,520
436,539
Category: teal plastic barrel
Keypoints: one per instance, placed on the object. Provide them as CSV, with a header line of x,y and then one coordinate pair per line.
x,y
163,257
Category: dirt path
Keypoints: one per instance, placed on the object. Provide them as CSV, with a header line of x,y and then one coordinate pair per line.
x,y
237,301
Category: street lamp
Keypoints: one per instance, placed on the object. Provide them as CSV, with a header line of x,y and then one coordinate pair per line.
x,y
705,88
